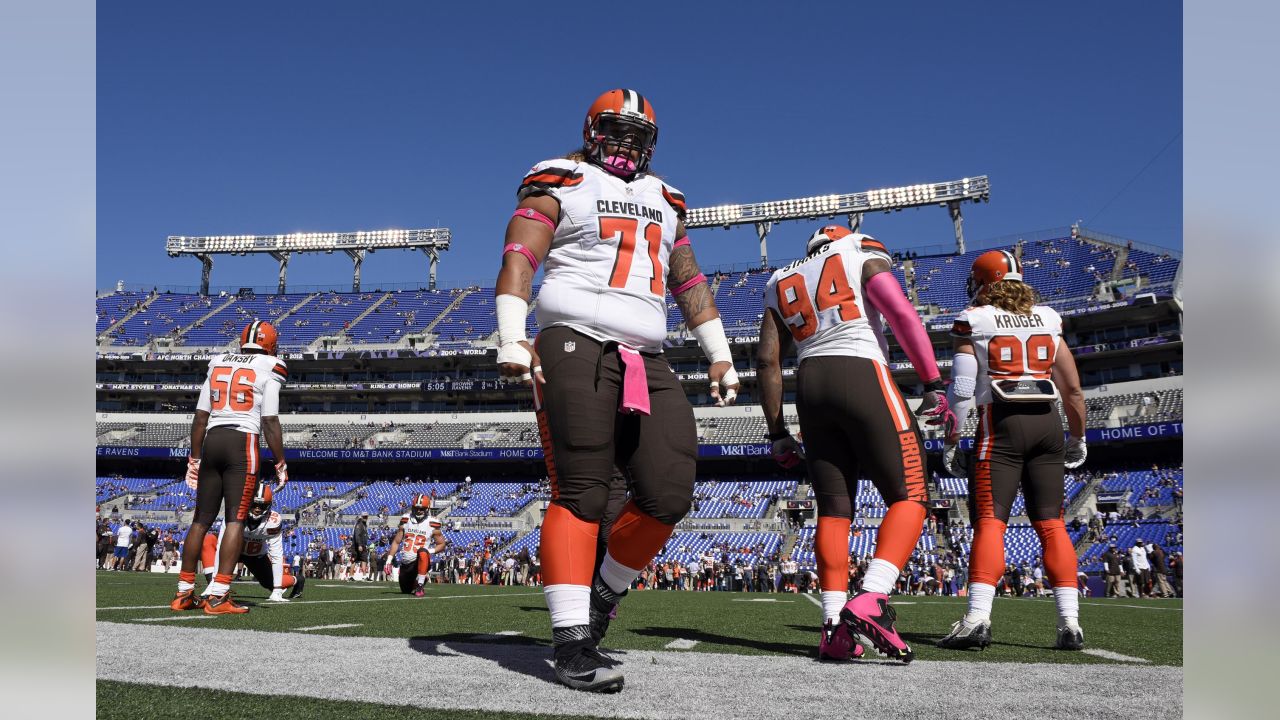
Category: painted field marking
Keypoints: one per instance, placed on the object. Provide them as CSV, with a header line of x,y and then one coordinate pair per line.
x,y
764,600
323,602
327,627
490,636
1107,654
681,644
200,616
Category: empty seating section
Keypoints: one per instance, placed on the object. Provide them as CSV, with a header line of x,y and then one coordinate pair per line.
x,y
396,497
473,319
174,496
1145,487
1158,269
303,492
862,542
739,546
739,301
953,486
111,308
404,313
1021,544
326,314
867,500
1065,271
226,324
165,314
1065,268
113,487
749,429
730,498
494,499
1148,407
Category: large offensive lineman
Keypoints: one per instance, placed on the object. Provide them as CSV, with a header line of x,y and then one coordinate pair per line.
x,y
418,529
853,419
1012,362
613,239
240,398
263,553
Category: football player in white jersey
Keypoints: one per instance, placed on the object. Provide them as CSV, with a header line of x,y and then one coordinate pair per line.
x,y
1012,362
854,420
416,540
263,553
240,398
613,239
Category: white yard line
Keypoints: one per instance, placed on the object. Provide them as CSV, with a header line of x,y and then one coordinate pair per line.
x,y
192,616
326,627
813,600
354,600
505,677
764,600
1107,654
681,644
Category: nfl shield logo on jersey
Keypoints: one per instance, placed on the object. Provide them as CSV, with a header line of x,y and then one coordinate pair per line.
x,y
570,346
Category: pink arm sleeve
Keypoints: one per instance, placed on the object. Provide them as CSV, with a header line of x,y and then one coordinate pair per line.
x,y
886,295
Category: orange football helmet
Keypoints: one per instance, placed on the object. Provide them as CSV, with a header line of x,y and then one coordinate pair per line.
x,y
824,235
625,119
993,266
261,503
421,507
259,335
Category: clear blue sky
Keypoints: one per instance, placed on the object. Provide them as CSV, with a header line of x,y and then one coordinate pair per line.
x,y
242,118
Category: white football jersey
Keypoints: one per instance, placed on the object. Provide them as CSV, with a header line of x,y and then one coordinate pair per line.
x,y
265,537
606,273
1009,346
236,386
819,299
417,534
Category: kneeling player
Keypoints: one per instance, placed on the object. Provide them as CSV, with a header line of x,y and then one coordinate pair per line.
x,y
263,553
417,529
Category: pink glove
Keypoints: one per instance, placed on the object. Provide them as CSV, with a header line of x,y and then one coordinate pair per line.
x,y
787,452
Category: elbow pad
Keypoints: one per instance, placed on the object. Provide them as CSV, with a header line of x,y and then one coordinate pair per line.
x,y
964,375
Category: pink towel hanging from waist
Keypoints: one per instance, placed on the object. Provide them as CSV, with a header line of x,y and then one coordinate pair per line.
x,y
635,384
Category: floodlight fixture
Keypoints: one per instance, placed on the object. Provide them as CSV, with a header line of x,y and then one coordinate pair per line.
x,y
355,244
948,194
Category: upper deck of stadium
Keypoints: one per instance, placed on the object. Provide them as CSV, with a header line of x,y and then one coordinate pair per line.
x,y
1074,274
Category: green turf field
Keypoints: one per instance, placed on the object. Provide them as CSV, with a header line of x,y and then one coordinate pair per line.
x,y
499,637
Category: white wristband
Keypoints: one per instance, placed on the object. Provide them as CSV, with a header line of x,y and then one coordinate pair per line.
x,y
715,345
512,312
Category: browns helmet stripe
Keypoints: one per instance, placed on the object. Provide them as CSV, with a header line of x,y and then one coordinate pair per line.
x,y
1015,267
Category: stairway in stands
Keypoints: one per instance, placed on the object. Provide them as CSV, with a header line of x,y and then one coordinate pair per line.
x,y
106,334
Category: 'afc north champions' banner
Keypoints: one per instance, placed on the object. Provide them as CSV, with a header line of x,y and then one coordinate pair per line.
x,y
742,450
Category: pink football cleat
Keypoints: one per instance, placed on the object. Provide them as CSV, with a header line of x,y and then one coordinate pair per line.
x,y
869,615
835,642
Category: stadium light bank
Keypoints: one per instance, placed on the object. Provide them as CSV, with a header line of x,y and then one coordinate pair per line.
x,y
355,244
763,215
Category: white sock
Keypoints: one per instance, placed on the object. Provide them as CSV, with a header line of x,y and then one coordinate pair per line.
x,y
186,586
569,604
832,601
422,579
1068,600
616,575
881,577
981,595
217,588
